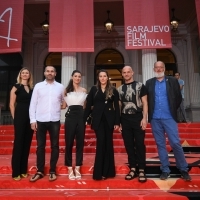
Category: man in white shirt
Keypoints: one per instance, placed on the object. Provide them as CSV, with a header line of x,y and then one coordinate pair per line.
x,y
44,111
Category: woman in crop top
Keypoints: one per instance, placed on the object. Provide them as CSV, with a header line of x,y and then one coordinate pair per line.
x,y
74,125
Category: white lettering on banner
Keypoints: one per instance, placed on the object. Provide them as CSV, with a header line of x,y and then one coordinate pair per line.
x,y
138,35
146,42
8,38
155,28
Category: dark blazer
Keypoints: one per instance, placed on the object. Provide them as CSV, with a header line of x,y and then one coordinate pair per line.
x,y
110,107
173,93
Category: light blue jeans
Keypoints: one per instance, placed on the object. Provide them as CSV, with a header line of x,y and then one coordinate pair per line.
x,y
168,126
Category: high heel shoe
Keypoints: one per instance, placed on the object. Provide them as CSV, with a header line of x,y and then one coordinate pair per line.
x,y
24,175
17,178
77,172
71,174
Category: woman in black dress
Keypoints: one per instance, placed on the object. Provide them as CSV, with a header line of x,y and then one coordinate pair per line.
x,y
104,101
20,97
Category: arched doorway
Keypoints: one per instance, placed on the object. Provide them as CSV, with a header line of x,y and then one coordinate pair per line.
x,y
10,65
169,59
55,59
112,61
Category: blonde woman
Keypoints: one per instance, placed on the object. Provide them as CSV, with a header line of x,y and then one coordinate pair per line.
x,y
20,96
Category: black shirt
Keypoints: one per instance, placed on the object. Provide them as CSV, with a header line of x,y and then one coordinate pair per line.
x,y
130,95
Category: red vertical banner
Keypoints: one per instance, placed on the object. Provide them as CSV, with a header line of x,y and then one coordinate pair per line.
x,y
11,24
197,2
147,24
71,26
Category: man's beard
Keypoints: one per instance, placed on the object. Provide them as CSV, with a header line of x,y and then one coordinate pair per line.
x,y
159,75
50,77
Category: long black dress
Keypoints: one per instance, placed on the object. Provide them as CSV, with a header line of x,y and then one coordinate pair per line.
x,y
23,131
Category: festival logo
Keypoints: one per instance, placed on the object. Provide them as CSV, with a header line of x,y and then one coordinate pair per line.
x,y
11,22
7,37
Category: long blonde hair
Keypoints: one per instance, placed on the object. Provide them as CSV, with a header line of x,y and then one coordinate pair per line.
x,y
30,80
109,87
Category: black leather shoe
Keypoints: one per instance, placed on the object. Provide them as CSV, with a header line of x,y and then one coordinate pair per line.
x,y
185,176
164,176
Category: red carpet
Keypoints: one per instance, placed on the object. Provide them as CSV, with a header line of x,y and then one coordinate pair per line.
x,y
116,188
91,195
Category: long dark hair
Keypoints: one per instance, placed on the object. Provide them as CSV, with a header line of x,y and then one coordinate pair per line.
x,y
109,87
70,86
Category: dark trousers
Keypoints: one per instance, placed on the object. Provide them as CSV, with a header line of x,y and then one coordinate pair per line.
x,y
53,128
74,129
21,147
133,137
104,160
181,115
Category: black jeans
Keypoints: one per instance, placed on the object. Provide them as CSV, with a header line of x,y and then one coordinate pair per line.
x,y
53,128
133,137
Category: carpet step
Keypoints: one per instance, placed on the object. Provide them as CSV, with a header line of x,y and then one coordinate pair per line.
x,y
105,194
87,188
182,127
111,189
86,182
116,142
152,164
151,171
7,137
89,131
87,149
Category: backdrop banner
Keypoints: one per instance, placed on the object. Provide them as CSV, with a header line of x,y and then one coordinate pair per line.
x,y
197,2
147,24
71,26
11,24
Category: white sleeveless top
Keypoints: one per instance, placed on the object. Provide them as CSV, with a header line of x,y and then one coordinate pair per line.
x,y
75,98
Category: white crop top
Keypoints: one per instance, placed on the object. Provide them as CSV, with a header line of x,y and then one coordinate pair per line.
x,y
75,98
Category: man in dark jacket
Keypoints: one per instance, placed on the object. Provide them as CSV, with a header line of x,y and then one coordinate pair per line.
x,y
164,97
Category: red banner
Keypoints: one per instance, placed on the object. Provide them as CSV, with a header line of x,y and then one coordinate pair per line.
x,y
71,26
11,23
197,2
147,24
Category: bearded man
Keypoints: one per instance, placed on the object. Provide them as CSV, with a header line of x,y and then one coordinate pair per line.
x,y
164,97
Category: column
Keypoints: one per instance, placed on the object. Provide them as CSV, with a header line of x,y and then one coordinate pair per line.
x,y
82,67
149,57
194,80
40,50
28,52
90,76
68,66
136,65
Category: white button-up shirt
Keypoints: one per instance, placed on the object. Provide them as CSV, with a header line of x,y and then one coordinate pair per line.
x,y
46,102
